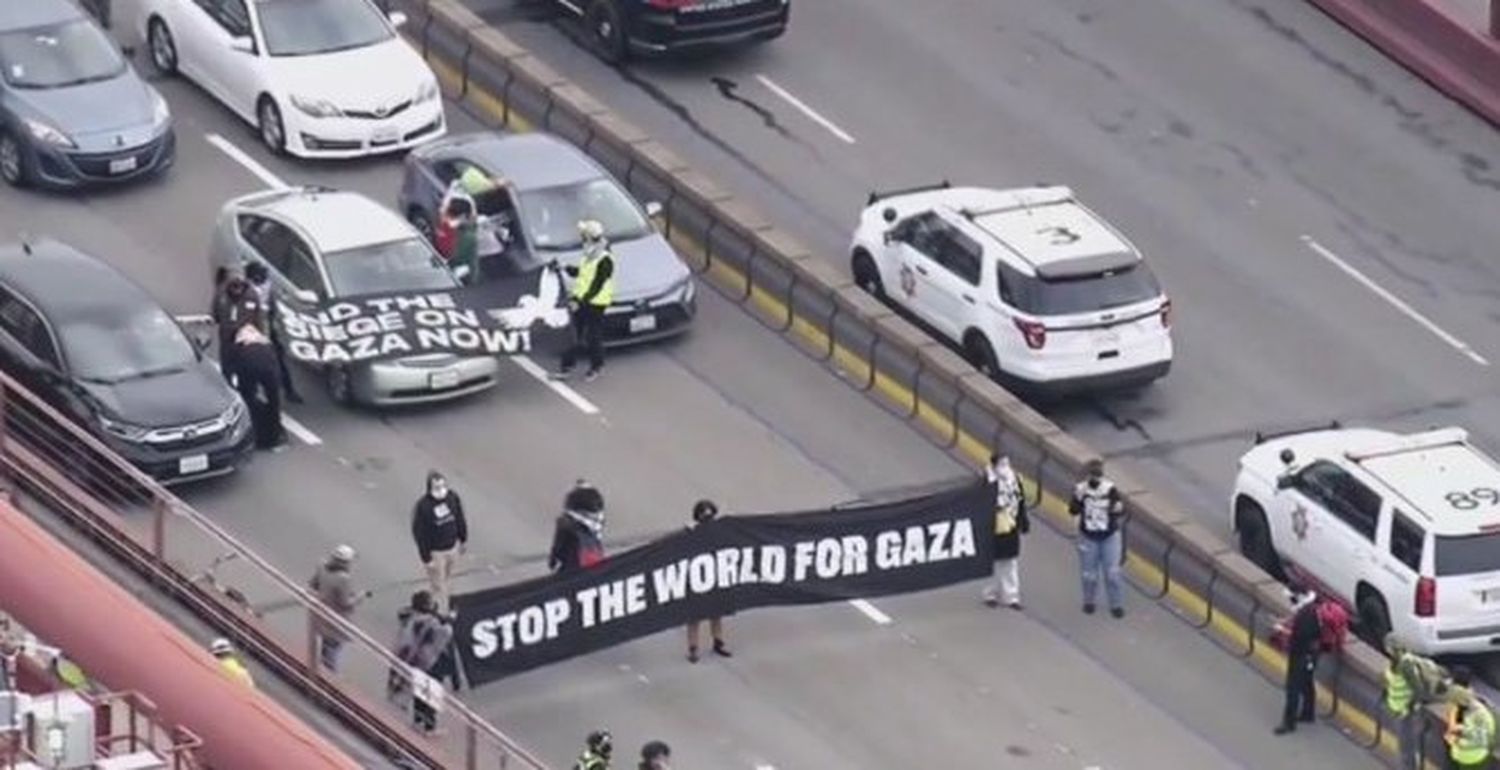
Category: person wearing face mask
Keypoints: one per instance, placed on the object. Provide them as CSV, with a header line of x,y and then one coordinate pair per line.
x,y
1100,512
578,539
441,532
593,291
1011,521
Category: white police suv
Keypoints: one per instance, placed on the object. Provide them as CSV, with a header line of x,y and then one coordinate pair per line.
x,y
1403,528
1035,289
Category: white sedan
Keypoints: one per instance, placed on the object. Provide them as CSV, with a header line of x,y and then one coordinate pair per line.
x,y
318,78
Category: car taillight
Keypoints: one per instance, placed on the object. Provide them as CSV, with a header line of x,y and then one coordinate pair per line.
x,y
1166,313
1426,604
1034,332
670,5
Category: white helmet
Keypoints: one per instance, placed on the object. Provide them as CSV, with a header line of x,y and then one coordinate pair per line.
x,y
220,647
590,230
343,554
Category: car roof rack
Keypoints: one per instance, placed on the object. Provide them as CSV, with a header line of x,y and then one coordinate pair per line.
x,y
1262,437
877,196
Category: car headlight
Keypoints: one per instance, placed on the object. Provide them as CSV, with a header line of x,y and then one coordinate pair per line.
x,y
682,291
122,430
160,113
428,92
235,411
46,133
317,108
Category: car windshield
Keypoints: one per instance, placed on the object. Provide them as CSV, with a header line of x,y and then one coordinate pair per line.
x,y
1467,555
306,27
1081,294
552,214
388,268
112,347
58,56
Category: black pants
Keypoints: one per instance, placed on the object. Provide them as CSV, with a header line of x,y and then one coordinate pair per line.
x,y
1301,693
255,370
588,331
286,372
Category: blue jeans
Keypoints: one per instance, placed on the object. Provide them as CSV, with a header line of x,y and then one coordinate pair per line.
x,y
1101,556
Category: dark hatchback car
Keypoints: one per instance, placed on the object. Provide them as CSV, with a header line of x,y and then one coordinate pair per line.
x,y
621,28
553,185
72,109
98,348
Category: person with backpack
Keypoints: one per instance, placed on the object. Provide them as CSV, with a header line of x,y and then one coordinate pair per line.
x,y
1411,683
577,540
1304,640
426,636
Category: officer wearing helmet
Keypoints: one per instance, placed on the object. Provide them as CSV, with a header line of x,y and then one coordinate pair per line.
x,y
593,291
222,649
596,752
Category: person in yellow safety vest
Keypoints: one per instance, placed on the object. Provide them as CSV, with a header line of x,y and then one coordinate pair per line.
x,y
1471,731
593,291
1411,682
233,668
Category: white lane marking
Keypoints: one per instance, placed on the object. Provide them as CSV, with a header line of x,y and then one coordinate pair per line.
x,y
871,611
1396,302
252,165
540,375
299,430
806,110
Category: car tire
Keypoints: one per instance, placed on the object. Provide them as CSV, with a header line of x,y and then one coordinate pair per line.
x,y
340,385
1374,618
162,47
867,275
606,33
270,126
13,165
1255,538
419,220
979,352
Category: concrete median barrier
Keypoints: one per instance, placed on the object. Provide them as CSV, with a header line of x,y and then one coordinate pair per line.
x,y
1425,36
817,307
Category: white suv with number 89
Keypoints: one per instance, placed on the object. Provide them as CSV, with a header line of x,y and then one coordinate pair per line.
x,y
1034,288
1404,529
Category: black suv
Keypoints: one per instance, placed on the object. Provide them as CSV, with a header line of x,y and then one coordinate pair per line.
x,y
97,347
620,28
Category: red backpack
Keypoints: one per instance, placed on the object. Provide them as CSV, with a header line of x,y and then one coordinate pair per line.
x,y
1333,625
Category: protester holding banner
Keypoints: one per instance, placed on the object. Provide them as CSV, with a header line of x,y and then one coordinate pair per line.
x,y
705,511
426,636
1011,522
593,291
441,531
577,541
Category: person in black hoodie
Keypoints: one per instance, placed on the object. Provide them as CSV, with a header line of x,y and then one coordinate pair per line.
x,y
577,542
705,511
441,532
1303,632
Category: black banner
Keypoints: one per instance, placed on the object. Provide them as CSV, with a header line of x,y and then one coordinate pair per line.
x,y
508,317
726,565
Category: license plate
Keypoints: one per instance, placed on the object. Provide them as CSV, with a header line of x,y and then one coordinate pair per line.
x,y
442,380
192,464
123,165
385,135
716,5
642,323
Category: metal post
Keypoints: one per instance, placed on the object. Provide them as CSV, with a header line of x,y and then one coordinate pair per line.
x,y
471,746
5,485
159,508
1495,19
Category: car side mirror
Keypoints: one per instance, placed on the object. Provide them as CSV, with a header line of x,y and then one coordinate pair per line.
x,y
306,296
398,19
242,44
653,209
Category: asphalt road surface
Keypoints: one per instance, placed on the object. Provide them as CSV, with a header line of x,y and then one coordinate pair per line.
x,y
733,413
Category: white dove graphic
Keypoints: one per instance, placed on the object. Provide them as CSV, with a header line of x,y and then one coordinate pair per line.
x,y
543,306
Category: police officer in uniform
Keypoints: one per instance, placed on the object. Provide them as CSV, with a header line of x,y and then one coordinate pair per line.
x,y
1471,737
1411,682
1304,632
230,663
593,291
596,752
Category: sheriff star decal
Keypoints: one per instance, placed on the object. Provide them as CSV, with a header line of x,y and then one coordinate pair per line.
x,y
908,280
1299,521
